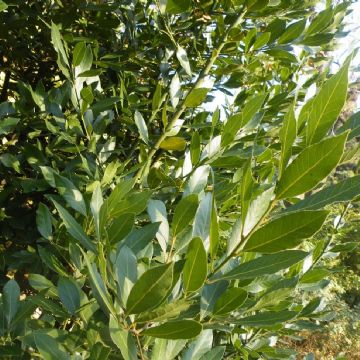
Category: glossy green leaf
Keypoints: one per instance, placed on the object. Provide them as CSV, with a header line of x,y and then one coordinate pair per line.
x,y
345,190
125,269
174,143
150,290
142,127
164,312
269,318
175,90
43,221
120,228
138,239
69,294
11,300
311,166
263,265
167,349
98,286
57,41
74,229
70,193
196,97
230,300
237,121
184,213
209,295
95,206
79,52
352,124
216,353
202,221
314,275
327,105
40,283
292,32
287,137
183,59
200,346
321,21
157,213
123,339
285,232
195,268
181,329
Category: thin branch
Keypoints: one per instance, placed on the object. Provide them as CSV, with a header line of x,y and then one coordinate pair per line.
x,y
197,84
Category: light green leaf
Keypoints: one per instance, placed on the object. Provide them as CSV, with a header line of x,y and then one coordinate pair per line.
x,y
3,6
175,92
184,213
141,125
173,330
157,213
11,300
261,40
235,122
195,268
345,190
285,232
95,206
314,276
74,229
230,300
69,294
292,32
263,265
257,209
125,269
202,222
214,234
320,22
196,97
49,348
198,180
43,221
287,137
174,143
327,105
150,290
79,52
269,318
311,166
183,59
123,339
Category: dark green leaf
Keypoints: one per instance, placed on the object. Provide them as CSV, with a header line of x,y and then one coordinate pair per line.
x,y
69,294
292,32
269,318
264,265
285,232
184,213
150,290
43,221
74,228
195,268
310,167
181,329
230,300
11,300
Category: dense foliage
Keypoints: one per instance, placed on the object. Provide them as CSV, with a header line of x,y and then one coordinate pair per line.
x,y
137,219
